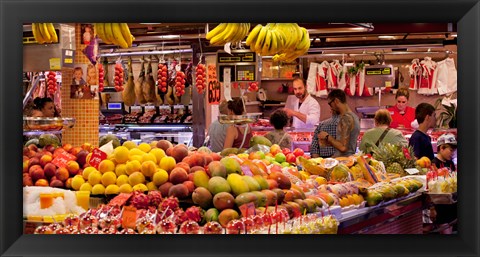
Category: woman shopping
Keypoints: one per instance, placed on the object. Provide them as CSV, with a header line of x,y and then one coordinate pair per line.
x,y
238,136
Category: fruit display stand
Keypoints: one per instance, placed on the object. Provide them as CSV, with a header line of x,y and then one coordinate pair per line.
x,y
301,138
401,216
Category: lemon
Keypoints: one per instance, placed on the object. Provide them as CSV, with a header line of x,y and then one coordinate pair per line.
x,y
94,177
132,166
160,177
121,154
77,182
149,157
145,147
98,189
159,153
121,169
167,163
149,168
122,179
86,187
106,165
109,178
87,172
140,187
136,151
136,178
129,144
125,188
112,190
151,186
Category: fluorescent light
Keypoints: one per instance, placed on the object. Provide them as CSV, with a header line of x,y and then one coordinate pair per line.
x,y
386,37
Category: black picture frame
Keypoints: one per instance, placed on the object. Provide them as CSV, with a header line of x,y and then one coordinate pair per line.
x,y
13,14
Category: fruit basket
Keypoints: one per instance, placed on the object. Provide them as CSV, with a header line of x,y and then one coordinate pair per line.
x,y
239,119
47,124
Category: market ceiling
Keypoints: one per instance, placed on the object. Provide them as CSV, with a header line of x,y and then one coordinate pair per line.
x,y
323,35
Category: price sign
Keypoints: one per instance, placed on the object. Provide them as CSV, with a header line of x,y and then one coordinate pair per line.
x,y
97,156
246,170
213,85
63,158
129,217
247,209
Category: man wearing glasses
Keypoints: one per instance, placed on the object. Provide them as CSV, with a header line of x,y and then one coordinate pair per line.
x,y
348,127
304,109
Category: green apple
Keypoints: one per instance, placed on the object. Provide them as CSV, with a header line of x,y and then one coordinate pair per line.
x,y
280,157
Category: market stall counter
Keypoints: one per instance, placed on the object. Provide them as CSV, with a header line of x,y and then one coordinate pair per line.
x,y
400,216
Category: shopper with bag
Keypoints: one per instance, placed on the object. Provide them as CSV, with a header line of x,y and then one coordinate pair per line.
x,y
382,133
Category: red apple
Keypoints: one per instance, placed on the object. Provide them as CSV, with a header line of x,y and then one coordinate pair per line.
x,y
56,183
45,159
25,166
75,150
50,170
298,152
67,147
286,151
62,174
34,161
73,167
50,148
33,147
82,157
36,172
190,176
291,158
41,183
68,183
27,180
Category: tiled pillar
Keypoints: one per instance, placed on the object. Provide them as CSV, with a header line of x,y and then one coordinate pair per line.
x,y
85,111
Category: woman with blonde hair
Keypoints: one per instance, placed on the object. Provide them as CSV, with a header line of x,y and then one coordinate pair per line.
x,y
382,133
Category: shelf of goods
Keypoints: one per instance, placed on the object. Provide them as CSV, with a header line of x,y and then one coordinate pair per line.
x,y
42,131
164,188
175,133
301,138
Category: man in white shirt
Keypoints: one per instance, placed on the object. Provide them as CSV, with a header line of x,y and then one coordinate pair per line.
x,y
304,109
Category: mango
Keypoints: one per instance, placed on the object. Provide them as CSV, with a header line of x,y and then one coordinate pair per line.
x,y
280,195
311,205
228,151
226,216
282,180
373,198
260,140
271,197
216,168
253,167
261,181
237,184
252,183
223,200
231,165
261,199
244,198
201,178
211,215
217,185
202,197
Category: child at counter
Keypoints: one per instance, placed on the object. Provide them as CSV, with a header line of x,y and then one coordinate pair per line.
x,y
446,146
279,120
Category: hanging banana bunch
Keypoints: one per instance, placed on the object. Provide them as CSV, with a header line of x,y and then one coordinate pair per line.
x,y
228,32
284,41
115,33
44,33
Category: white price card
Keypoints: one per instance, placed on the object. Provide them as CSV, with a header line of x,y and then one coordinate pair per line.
x,y
412,171
226,83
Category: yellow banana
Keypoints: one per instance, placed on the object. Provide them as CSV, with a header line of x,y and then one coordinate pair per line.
x,y
231,29
242,32
274,44
127,35
303,42
261,39
109,33
281,39
100,30
266,44
44,31
52,32
219,28
299,33
117,34
217,39
252,36
36,33
293,36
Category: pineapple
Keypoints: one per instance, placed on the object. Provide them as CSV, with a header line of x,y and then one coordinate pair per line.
x,y
394,158
396,168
